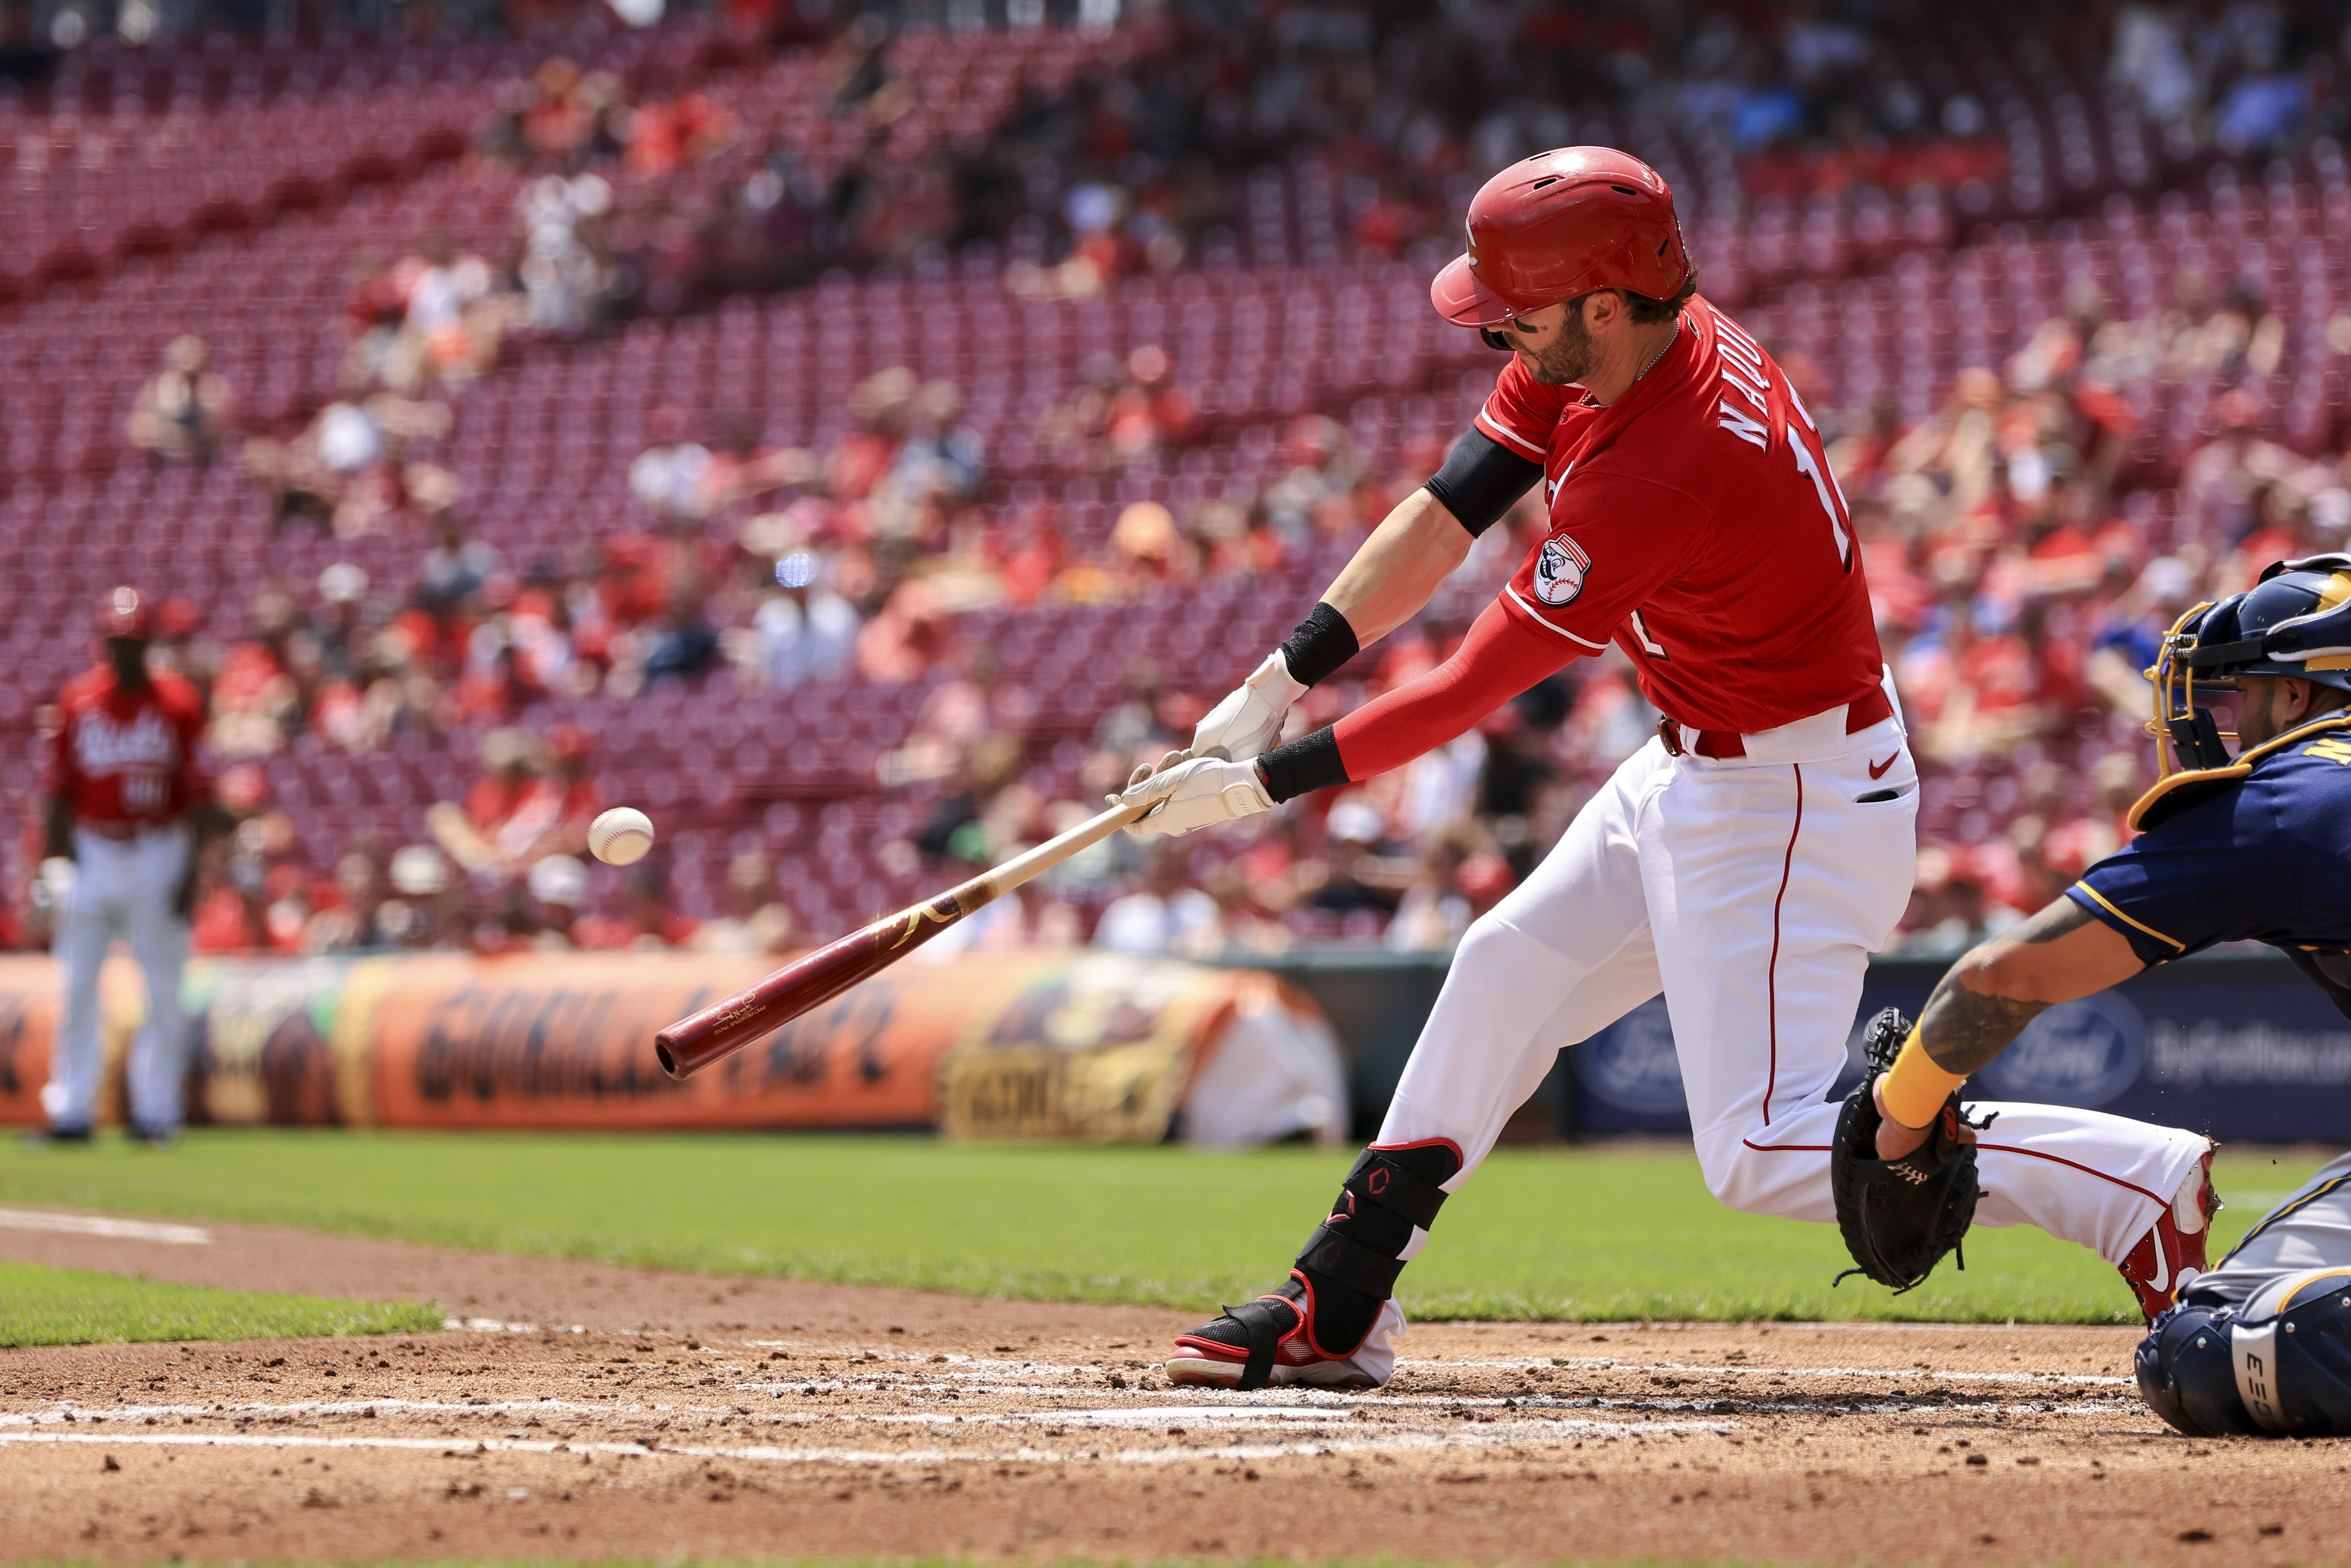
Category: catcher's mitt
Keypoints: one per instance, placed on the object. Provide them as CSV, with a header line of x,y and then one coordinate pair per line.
x,y
1899,1217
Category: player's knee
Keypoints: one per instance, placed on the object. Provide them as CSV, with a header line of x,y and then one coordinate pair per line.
x,y
1737,1179
1488,937
1492,948
2279,1366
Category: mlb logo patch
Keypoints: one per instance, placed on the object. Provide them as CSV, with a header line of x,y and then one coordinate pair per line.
x,y
1558,570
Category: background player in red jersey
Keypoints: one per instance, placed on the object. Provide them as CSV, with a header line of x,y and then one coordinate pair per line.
x,y
1746,862
129,797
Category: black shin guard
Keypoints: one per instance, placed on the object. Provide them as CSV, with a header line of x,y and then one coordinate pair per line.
x,y
1351,1260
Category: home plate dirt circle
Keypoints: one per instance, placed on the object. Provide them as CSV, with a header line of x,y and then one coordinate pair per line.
x,y
654,1416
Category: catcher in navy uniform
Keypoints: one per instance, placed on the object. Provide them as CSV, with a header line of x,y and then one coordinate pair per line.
x,y
2254,845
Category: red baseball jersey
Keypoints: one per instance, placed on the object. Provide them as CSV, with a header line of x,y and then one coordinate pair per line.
x,y
130,756
1695,522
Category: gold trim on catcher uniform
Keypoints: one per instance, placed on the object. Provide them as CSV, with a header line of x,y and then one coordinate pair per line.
x,y
2137,818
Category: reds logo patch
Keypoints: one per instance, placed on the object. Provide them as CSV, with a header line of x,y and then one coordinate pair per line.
x,y
1558,570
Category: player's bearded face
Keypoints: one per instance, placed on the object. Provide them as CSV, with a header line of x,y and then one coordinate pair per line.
x,y
1558,352
2269,706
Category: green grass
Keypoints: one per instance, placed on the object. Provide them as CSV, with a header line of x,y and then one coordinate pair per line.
x,y
75,1306
1551,1234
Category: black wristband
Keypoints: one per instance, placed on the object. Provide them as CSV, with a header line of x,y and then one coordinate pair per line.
x,y
1309,762
1322,642
1481,480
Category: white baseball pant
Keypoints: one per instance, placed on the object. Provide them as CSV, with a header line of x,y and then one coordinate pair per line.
x,y
1751,892
123,887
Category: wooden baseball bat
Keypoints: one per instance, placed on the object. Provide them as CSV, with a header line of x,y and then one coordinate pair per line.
x,y
720,1029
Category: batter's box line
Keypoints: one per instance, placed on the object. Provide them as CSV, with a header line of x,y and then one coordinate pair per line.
x,y
1272,1414
104,1226
1282,1405
1001,1376
1106,1416
495,1326
762,1453
1608,1363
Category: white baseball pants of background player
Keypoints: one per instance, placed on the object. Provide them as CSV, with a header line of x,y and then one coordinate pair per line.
x,y
123,887
1751,890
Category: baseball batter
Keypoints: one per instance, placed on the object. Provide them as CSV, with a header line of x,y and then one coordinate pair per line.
x,y
128,794
2253,847
1746,862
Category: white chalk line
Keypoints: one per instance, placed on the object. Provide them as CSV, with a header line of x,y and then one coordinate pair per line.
x,y
1531,1418
1530,1413
1265,1408
1003,1373
956,1381
770,1453
1915,1373
112,1229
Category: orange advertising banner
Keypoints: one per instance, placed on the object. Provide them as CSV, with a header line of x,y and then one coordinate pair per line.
x,y
1074,1045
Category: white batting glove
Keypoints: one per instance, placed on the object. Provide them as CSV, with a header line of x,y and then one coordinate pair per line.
x,y
1195,794
1248,720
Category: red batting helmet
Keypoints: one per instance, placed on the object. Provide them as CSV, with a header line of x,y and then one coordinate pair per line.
x,y
1558,226
125,614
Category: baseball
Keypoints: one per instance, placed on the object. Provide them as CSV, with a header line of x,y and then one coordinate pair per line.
x,y
620,836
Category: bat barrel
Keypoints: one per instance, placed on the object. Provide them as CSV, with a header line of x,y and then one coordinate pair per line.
x,y
724,1028
810,980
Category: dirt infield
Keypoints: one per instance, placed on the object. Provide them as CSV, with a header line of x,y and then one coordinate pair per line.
x,y
588,1412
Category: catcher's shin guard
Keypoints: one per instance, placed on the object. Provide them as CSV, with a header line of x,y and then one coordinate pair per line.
x,y
2170,1256
1312,1327
2277,1364
2185,1373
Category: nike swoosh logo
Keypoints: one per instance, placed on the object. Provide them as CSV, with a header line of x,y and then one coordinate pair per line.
x,y
2161,1283
1877,769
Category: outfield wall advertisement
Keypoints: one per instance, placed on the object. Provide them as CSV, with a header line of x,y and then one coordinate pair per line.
x,y
2237,1044
1089,1046
2240,1047
1082,1046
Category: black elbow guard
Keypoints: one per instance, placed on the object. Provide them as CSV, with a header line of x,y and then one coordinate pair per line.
x,y
1481,480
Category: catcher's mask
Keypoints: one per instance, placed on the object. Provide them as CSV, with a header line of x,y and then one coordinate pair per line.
x,y
2295,621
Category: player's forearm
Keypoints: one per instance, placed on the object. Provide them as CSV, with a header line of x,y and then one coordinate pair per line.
x,y
1416,547
1963,1029
1499,659
2058,954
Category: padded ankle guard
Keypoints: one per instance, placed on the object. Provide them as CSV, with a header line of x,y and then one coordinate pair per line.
x,y
1351,1260
1380,1204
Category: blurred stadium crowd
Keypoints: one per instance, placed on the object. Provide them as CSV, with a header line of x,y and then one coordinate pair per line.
x,y
858,436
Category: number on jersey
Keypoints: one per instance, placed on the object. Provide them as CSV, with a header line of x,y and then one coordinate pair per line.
x,y
143,794
1814,466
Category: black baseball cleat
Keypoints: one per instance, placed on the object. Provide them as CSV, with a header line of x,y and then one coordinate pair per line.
x,y
154,1134
1271,1342
1333,1323
58,1138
